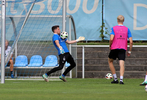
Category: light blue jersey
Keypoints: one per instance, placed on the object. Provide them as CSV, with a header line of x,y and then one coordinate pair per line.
x,y
62,43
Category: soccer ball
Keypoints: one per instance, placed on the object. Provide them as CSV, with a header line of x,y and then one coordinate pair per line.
x,y
146,88
64,35
108,76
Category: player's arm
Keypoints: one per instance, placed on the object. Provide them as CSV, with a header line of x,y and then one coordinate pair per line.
x,y
111,38
71,42
131,45
59,46
81,38
57,43
131,42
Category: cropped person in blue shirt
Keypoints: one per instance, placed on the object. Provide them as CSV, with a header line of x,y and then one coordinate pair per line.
x,y
63,53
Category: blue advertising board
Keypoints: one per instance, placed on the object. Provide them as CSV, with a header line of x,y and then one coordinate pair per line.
x,y
134,12
87,15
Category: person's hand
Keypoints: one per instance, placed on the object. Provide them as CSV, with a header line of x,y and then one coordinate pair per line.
x,y
109,47
128,53
61,50
81,38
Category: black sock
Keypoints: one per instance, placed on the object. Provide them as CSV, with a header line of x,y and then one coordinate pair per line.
x,y
11,72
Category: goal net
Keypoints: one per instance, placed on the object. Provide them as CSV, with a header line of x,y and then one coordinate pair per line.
x,y
28,30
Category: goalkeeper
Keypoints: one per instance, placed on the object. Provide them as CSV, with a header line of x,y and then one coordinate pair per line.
x,y
63,53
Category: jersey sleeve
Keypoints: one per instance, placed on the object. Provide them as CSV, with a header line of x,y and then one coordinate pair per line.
x,y
129,33
112,32
55,37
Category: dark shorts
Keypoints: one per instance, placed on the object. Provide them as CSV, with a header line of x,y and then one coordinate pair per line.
x,y
66,57
117,53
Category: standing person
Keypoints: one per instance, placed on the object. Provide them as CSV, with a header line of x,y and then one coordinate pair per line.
x,y
145,80
118,47
7,50
63,53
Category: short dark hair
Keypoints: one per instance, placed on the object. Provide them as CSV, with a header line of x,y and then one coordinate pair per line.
x,y
54,27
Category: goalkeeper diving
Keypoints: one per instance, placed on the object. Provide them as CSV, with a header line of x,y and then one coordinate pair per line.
x,y
63,52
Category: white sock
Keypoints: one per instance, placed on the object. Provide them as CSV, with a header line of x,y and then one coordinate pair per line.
x,y
145,78
115,77
121,78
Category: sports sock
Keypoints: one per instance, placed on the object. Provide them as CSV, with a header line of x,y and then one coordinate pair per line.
x,y
11,72
115,77
46,74
63,75
121,78
145,78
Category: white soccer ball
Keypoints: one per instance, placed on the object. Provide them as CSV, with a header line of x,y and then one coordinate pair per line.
x,y
108,76
63,35
146,88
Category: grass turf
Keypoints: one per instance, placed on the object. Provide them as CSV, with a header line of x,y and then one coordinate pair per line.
x,y
73,89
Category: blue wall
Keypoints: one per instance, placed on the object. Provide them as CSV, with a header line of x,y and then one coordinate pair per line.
x,y
134,11
87,15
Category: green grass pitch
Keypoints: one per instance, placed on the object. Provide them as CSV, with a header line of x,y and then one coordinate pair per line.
x,y
73,89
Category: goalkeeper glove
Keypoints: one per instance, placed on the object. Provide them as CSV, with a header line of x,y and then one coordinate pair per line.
x,y
81,38
61,50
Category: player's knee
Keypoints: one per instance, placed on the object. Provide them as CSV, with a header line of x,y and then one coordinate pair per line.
x,y
60,67
110,60
73,64
11,61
